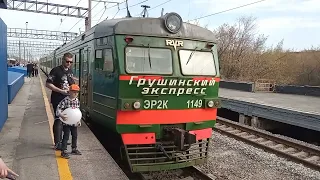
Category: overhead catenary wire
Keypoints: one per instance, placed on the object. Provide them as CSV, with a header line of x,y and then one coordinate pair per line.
x,y
81,19
134,4
96,14
105,8
109,8
156,6
160,5
67,16
129,6
125,7
238,7
76,6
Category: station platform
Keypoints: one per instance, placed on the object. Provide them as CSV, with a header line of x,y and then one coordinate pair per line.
x,y
27,142
298,110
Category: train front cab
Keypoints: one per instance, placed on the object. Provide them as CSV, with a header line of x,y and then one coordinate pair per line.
x,y
168,100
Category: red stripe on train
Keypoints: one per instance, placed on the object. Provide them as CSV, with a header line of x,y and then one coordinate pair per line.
x,y
135,78
166,116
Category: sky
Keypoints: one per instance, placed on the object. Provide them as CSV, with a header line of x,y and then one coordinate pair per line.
x,y
295,21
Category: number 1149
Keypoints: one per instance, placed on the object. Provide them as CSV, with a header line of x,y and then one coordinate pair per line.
x,y
194,103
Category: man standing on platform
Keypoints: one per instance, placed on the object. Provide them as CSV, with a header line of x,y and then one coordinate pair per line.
x,y
59,80
29,69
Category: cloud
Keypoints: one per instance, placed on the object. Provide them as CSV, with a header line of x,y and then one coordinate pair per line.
x,y
310,6
288,23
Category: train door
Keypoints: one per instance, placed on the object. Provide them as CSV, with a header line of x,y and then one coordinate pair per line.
x,y
89,83
84,68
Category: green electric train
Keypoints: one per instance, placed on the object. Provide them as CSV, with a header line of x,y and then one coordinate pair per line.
x,y
154,81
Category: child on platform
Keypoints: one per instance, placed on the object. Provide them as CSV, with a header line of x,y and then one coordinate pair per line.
x,y
73,102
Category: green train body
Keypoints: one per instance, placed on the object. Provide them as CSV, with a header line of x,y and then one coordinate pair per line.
x,y
155,87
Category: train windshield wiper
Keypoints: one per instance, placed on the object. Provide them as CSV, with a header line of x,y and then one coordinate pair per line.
x,y
149,55
191,55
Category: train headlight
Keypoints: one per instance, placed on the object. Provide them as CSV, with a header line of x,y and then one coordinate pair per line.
x,y
210,104
173,22
136,105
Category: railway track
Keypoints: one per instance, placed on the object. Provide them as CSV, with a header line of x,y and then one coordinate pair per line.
x,y
188,173
294,151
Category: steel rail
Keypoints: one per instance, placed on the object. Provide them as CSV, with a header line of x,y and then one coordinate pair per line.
x,y
309,156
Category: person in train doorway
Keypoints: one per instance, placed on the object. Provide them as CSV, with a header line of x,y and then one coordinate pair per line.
x,y
59,80
70,101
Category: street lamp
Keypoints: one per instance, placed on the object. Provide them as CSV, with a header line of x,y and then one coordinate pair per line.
x,y
24,48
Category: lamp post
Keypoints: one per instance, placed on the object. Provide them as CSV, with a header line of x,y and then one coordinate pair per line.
x,y
24,47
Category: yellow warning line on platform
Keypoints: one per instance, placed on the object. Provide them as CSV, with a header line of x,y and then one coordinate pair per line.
x,y
63,165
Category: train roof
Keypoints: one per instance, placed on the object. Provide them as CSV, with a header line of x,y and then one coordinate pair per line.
x,y
150,27
145,27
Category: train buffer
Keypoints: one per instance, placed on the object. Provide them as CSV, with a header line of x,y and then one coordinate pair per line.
x,y
27,142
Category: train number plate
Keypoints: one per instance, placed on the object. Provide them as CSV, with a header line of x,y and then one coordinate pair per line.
x,y
155,104
194,103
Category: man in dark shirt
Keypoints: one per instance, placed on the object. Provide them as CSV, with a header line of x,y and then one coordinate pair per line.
x,y
59,80
29,69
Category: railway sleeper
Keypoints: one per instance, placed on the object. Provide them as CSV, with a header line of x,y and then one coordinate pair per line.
x,y
242,133
277,146
313,159
250,136
235,131
266,142
222,126
290,149
188,178
258,139
300,154
229,129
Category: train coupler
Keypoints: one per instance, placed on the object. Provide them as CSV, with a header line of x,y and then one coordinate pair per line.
x,y
182,138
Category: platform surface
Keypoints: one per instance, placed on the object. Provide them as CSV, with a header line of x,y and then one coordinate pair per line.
x,y
299,103
27,143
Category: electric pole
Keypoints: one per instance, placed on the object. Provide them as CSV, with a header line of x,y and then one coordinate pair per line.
x,y
88,19
19,50
24,46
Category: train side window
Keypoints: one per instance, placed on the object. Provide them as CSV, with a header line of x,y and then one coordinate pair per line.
x,y
108,60
98,62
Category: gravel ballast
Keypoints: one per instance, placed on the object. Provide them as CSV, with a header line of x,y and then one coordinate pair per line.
x,y
234,160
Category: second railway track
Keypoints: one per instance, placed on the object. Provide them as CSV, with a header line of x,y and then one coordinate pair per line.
x,y
188,173
309,156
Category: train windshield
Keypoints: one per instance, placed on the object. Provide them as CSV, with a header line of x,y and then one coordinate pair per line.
x,y
148,60
197,63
